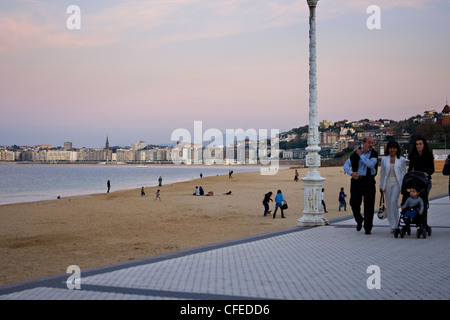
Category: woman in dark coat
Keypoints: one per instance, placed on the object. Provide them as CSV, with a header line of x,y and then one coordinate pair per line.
x,y
421,159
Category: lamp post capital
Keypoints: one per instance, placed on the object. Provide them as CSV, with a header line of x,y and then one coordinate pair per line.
x,y
312,3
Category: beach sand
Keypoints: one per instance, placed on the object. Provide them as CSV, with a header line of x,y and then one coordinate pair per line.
x,y
43,238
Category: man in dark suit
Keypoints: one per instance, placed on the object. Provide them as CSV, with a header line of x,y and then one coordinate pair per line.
x,y
362,166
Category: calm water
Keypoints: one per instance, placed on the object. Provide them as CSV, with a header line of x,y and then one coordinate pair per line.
x,y
27,182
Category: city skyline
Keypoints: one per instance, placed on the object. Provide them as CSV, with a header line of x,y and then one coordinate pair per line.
x,y
138,70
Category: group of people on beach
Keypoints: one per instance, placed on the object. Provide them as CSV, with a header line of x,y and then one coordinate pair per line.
x,y
157,194
279,203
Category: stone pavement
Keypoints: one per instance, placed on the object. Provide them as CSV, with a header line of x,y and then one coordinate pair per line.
x,y
322,263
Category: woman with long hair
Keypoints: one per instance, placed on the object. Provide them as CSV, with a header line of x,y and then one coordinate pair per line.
x,y
421,159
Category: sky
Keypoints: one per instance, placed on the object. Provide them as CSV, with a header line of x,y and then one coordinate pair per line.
x,y
140,70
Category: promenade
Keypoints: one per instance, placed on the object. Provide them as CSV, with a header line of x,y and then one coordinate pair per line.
x,y
333,262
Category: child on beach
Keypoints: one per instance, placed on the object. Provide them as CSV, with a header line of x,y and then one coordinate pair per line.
x,y
323,202
157,196
142,192
342,201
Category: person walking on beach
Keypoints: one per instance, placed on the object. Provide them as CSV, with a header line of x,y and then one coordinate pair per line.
x,y
392,172
157,196
142,192
230,173
342,201
323,202
296,175
265,202
279,204
160,181
108,185
362,166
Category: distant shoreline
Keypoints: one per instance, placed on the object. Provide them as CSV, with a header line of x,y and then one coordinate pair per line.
x,y
131,164
254,168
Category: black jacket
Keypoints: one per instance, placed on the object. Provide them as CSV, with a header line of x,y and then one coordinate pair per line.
x,y
267,198
424,163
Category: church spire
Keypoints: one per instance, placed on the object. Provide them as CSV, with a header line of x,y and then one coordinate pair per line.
x,y
107,143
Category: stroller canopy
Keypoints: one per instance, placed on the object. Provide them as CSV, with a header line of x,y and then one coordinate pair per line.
x,y
416,179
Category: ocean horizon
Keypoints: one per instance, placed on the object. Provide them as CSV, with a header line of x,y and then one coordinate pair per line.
x,y
38,182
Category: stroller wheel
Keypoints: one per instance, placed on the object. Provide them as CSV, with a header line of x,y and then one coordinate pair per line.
x,y
418,233
408,231
429,230
402,232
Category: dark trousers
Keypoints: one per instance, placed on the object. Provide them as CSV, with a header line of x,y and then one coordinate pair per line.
x,y
275,212
363,189
266,207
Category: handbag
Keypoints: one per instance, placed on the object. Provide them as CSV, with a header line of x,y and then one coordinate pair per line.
x,y
284,206
382,209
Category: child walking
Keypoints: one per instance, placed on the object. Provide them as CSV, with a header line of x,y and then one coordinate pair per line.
x,y
342,201
323,202
157,196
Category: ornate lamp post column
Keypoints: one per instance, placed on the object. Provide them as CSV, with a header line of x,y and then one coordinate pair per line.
x,y
312,213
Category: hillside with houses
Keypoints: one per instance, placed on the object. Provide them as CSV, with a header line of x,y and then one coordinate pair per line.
x,y
339,138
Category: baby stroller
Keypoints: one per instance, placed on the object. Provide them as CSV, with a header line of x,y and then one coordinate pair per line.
x,y
419,181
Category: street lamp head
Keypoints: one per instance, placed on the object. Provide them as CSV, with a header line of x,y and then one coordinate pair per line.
x,y
312,3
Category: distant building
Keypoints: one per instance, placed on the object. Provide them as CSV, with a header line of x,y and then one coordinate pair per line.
x,y
297,153
45,146
328,138
138,145
6,155
445,119
325,124
67,145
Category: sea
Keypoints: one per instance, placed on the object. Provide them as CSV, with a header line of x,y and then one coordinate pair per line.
x,y
35,182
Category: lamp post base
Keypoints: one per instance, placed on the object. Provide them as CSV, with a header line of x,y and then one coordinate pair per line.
x,y
312,220
312,213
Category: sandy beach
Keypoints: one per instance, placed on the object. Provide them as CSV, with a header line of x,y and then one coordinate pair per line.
x,y
43,238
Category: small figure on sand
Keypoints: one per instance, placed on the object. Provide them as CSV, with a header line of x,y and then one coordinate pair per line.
x,y
142,192
342,202
229,192
160,181
108,185
157,196
265,202
196,191
323,202
296,175
230,174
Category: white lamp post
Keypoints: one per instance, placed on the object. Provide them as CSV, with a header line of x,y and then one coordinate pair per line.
x,y
312,213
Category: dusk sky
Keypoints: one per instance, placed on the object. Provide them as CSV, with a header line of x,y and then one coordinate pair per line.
x,y
138,70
